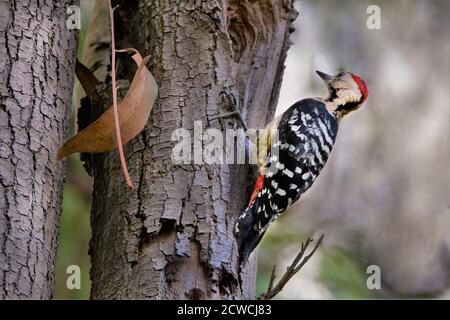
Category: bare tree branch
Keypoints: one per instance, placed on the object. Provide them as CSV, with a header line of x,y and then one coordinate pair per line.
x,y
298,263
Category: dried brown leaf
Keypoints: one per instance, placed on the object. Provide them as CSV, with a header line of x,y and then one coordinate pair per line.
x,y
134,111
87,79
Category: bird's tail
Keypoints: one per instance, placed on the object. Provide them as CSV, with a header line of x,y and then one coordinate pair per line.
x,y
251,225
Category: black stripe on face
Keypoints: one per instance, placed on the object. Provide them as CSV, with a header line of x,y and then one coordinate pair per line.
x,y
333,95
350,106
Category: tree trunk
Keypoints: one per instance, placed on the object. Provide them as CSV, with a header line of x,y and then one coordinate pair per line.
x,y
173,237
36,79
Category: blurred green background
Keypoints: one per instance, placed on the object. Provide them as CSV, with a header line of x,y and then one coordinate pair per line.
x,y
382,198
75,232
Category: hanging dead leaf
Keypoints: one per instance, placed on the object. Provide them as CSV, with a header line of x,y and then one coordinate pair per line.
x,y
87,79
133,110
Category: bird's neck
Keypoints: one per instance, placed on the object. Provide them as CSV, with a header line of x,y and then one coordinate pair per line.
x,y
334,107
340,105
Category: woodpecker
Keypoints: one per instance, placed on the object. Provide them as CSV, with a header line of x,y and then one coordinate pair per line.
x,y
306,135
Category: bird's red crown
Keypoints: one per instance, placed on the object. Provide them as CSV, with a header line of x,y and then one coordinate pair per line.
x,y
361,85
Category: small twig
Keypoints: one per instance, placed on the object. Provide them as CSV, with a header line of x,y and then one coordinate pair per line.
x,y
272,278
235,113
127,50
298,263
114,92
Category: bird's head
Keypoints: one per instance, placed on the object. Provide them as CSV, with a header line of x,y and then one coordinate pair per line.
x,y
347,92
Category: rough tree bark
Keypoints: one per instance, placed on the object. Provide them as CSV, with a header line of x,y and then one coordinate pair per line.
x,y
173,236
36,80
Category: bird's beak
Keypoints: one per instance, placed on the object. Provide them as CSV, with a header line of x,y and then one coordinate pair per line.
x,y
325,77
